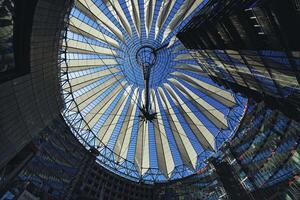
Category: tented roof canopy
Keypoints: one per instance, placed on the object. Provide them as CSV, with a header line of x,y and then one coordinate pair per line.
x,y
104,89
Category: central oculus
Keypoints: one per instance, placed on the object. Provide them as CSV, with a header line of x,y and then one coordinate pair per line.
x,y
146,56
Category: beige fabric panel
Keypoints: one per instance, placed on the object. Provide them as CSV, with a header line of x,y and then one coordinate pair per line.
x,y
123,141
186,56
219,94
74,46
108,127
115,7
91,10
146,151
133,6
82,81
149,6
184,11
138,156
164,155
172,41
164,12
179,48
106,103
142,148
204,136
194,6
94,114
186,149
142,144
191,68
81,28
83,64
86,98
212,113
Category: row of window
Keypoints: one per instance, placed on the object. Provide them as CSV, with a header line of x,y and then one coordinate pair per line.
x,y
268,155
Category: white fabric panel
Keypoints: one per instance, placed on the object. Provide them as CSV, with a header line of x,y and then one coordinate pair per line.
x,y
142,145
108,127
74,46
107,102
93,116
133,6
164,156
142,149
143,99
115,7
219,94
146,151
77,26
122,143
82,81
172,41
179,48
86,98
139,147
186,149
164,12
83,64
194,6
91,62
192,68
149,6
204,136
186,56
212,113
88,7
184,11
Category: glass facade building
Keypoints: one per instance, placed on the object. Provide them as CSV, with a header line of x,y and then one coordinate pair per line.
x,y
245,46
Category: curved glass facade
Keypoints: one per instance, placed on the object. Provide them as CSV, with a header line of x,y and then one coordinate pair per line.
x,y
133,92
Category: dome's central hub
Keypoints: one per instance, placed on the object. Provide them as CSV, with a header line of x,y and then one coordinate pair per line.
x,y
146,56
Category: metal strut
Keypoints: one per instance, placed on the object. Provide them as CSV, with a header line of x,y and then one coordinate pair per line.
x,y
146,58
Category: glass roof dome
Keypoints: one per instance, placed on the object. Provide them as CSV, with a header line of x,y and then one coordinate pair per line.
x,y
133,92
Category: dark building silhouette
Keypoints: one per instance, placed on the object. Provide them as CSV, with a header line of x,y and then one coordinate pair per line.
x,y
250,47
